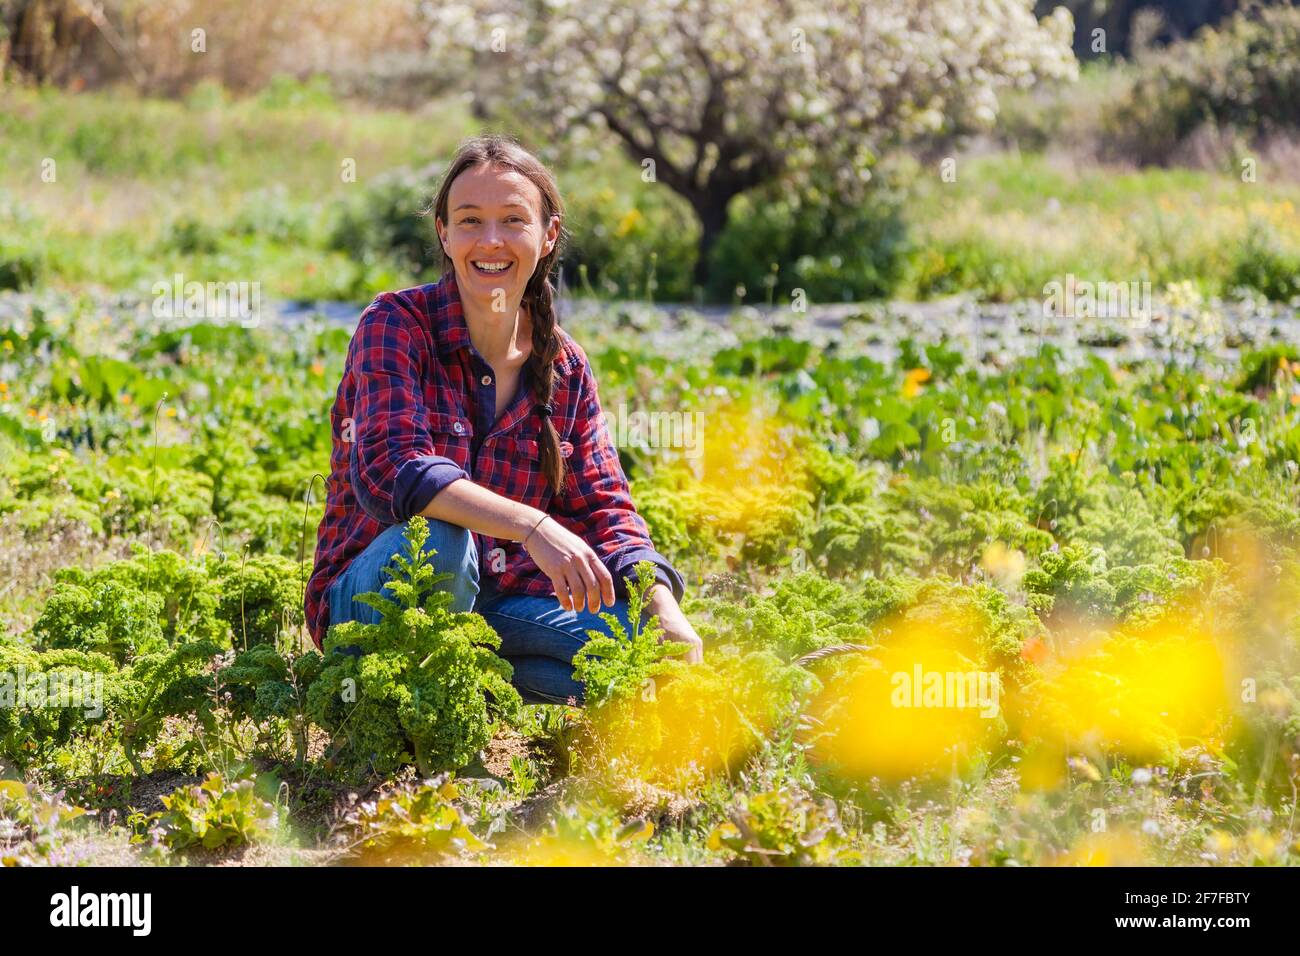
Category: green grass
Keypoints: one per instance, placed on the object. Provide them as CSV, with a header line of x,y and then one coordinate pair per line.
x,y
129,170
250,190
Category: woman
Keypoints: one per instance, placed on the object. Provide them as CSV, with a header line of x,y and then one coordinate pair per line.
x,y
464,402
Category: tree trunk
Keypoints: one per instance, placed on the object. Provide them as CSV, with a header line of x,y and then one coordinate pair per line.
x,y
711,208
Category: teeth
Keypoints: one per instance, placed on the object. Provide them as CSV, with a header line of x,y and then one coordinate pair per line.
x,y
493,267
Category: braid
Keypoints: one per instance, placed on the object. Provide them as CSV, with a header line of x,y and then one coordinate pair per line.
x,y
541,366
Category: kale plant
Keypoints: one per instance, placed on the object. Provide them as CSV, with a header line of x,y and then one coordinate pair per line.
x,y
428,684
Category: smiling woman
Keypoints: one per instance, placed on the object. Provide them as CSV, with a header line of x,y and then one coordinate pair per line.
x,y
464,402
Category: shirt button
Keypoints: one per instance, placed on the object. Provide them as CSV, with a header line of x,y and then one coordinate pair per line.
x,y
487,380
458,428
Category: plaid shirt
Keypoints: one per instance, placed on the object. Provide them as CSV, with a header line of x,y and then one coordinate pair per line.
x,y
415,411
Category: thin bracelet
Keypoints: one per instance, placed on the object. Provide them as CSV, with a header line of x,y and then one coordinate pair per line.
x,y
535,527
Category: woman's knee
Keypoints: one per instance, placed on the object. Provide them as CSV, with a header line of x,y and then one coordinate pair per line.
x,y
452,550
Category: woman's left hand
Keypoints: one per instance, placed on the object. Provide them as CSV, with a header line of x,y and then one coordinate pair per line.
x,y
674,623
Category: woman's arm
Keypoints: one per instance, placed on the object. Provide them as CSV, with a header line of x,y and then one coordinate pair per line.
x,y
575,570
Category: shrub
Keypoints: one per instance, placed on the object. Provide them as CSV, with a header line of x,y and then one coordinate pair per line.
x,y
105,617
383,222
260,598
832,250
20,267
1242,75
1260,263
428,683
642,245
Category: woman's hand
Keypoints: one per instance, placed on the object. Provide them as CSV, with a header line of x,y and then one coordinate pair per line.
x,y
674,623
577,573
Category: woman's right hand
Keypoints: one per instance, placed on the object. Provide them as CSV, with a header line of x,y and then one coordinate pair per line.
x,y
577,573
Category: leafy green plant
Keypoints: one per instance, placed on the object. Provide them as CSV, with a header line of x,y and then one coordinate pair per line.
x,y
172,683
188,599
105,617
803,613
412,823
784,827
215,814
616,665
35,826
260,598
47,698
265,685
428,684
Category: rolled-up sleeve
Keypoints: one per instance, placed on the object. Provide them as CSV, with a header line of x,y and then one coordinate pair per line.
x,y
393,465
596,503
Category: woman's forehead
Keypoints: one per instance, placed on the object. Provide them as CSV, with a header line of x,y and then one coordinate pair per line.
x,y
496,186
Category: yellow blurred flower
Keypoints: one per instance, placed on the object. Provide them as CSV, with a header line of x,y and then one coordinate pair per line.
x,y
1145,693
921,704
1006,565
1117,848
1262,844
913,380
631,219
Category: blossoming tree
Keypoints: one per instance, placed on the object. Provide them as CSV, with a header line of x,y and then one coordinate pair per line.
x,y
715,97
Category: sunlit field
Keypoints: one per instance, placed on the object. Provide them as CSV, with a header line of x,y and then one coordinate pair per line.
x,y
993,564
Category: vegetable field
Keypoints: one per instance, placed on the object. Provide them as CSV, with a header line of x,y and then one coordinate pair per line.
x,y
978,586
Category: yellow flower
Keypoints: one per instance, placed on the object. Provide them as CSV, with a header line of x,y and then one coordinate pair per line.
x,y
1005,564
1262,844
631,219
1221,843
912,381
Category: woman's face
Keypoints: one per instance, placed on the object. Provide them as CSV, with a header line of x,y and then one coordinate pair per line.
x,y
494,219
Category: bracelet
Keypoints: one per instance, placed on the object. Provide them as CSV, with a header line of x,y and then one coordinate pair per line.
x,y
534,528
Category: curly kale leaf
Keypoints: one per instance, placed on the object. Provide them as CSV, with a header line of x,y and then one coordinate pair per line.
x,y
428,684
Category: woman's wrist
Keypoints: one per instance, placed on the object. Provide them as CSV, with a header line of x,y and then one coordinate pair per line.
x,y
524,542
528,521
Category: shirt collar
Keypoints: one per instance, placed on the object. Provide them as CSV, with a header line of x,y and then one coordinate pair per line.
x,y
450,331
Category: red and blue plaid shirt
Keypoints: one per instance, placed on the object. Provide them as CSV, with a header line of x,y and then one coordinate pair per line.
x,y
415,411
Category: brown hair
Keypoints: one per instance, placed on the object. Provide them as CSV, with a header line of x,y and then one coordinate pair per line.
x,y
498,150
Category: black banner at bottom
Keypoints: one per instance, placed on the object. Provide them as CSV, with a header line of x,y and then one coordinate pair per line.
x,y
367,904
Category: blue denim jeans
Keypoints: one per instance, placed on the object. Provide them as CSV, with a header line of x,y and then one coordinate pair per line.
x,y
538,637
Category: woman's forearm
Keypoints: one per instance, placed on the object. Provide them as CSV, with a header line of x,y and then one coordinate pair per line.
x,y
474,507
